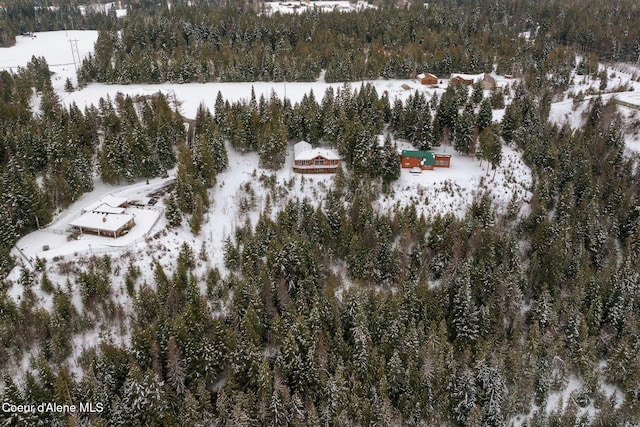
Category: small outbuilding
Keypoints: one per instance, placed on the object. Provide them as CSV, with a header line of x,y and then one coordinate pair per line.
x,y
428,79
307,159
442,160
459,80
488,82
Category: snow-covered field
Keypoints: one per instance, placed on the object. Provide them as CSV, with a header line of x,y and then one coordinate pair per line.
x,y
57,47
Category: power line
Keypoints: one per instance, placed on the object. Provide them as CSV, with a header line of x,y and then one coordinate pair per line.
x,y
74,52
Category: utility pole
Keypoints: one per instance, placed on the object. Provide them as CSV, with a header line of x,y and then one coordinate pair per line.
x,y
74,52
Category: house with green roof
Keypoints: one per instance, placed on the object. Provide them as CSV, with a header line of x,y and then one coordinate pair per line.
x,y
425,160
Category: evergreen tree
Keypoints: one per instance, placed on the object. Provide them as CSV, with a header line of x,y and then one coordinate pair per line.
x,y
272,150
463,134
426,140
173,214
490,146
366,160
464,313
68,86
390,161
478,93
7,239
485,115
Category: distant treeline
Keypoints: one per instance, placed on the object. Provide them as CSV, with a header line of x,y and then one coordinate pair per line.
x,y
202,43
212,44
28,16
211,41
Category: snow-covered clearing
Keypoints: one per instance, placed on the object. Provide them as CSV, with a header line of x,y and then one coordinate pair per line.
x,y
52,241
453,189
57,47
622,86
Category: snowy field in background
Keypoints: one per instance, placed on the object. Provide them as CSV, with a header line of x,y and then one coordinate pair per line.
x,y
621,86
56,48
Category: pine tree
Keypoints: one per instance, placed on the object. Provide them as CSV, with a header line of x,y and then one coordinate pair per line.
x,y
493,393
7,239
144,400
465,315
366,160
175,367
68,86
485,115
463,134
272,150
464,394
426,141
197,217
478,93
491,147
220,112
220,157
390,161
174,217
497,98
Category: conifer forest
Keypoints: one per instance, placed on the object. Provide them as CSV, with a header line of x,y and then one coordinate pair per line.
x,y
327,302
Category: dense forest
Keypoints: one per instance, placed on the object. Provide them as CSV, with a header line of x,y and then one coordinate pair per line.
x,y
332,312
213,44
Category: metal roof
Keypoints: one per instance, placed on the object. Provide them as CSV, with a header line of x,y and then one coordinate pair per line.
x,y
426,156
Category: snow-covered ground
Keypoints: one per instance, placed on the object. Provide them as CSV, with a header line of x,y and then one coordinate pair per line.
x,y
437,191
57,47
622,86
55,236
573,393
453,189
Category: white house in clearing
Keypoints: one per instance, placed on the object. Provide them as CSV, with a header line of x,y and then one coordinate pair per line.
x,y
105,217
307,159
